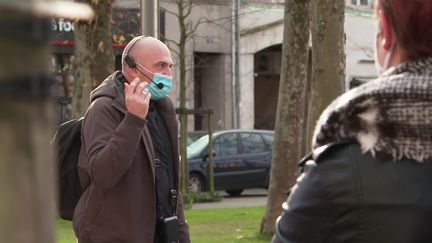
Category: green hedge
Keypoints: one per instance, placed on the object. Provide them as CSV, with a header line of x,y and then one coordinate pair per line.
x,y
197,197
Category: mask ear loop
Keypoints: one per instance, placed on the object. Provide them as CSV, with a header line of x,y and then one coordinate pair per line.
x,y
389,55
381,69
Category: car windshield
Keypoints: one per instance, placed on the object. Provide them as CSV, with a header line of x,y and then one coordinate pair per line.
x,y
195,135
195,148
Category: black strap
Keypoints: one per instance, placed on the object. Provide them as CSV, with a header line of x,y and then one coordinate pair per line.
x,y
32,86
172,186
31,29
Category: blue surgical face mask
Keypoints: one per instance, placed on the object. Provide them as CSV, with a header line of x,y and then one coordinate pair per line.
x,y
160,85
160,92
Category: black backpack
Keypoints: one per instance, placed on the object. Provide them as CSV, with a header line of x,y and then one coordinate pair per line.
x,y
67,142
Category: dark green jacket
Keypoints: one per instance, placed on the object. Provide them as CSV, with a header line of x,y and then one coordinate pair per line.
x,y
347,196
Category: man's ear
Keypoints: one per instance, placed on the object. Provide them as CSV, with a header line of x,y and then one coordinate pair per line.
x,y
386,30
133,72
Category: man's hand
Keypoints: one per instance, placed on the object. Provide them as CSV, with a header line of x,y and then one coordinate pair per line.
x,y
137,98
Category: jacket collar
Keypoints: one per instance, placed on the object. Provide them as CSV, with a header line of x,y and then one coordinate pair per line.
x,y
390,117
119,102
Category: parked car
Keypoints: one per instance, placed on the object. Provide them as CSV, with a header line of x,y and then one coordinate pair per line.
x,y
241,160
195,135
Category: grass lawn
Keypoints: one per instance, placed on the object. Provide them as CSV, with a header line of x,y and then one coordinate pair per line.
x,y
209,225
65,232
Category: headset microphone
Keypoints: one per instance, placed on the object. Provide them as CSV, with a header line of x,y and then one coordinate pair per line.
x,y
159,85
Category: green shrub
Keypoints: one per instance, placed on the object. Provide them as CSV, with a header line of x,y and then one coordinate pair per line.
x,y
190,198
207,197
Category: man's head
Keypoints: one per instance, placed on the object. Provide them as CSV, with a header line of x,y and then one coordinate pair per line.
x,y
149,61
145,56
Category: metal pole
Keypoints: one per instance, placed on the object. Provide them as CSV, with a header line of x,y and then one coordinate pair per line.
x,y
150,18
210,157
27,169
27,174
237,64
233,64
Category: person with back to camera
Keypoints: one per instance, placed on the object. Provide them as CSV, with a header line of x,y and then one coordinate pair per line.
x,y
129,154
370,179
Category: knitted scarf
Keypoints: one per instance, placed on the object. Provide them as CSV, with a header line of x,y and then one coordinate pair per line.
x,y
390,117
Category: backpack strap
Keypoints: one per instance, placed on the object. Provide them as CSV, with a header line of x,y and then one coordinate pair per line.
x,y
170,163
173,194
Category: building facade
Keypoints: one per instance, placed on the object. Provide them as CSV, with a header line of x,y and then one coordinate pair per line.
x,y
251,102
242,89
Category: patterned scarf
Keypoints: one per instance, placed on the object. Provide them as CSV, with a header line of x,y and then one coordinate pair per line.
x,y
390,117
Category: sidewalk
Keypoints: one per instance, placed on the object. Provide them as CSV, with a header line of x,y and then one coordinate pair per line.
x,y
247,199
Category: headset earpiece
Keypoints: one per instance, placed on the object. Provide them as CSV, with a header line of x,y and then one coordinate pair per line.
x,y
130,61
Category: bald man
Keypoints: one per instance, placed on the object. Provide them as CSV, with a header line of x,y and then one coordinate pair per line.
x,y
129,160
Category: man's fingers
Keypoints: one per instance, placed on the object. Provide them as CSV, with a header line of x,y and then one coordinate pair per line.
x,y
142,88
139,89
145,91
134,85
143,85
126,86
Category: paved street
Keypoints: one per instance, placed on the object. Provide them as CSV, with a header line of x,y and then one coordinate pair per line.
x,y
249,198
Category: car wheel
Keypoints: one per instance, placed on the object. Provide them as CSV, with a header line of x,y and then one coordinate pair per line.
x,y
234,192
196,182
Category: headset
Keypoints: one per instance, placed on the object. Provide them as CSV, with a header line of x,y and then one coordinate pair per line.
x,y
132,63
128,58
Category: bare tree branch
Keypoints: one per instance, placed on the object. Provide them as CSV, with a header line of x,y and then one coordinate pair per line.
x,y
188,8
171,49
172,41
194,28
217,24
171,12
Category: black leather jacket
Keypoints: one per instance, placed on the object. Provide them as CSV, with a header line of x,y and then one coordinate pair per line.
x,y
347,196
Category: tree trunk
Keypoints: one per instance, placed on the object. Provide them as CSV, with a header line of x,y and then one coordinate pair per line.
x,y
328,57
27,184
181,5
83,79
183,142
95,54
187,30
289,129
